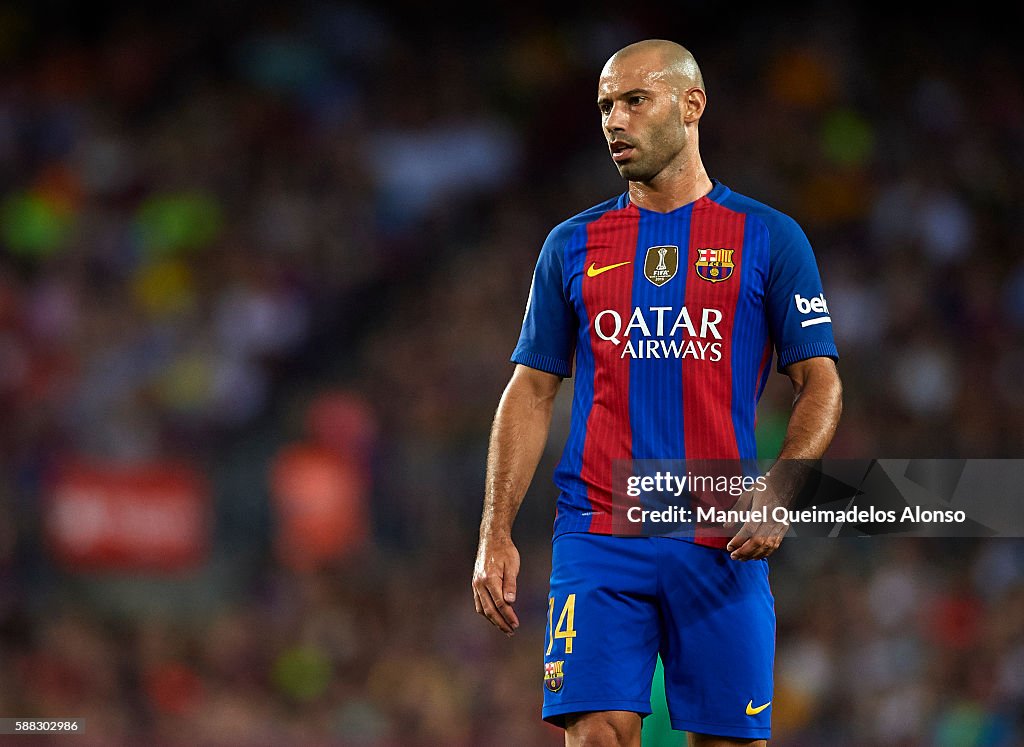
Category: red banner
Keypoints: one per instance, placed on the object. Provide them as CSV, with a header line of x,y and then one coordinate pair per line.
x,y
108,517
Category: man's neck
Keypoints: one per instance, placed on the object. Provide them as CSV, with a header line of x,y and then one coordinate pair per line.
x,y
667,192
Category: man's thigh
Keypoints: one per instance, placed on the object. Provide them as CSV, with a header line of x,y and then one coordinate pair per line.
x,y
719,642
603,628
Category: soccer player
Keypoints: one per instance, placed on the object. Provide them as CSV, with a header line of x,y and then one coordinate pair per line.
x,y
670,298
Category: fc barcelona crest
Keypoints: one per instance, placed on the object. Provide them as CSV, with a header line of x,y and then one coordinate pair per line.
x,y
553,676
714,265
661,264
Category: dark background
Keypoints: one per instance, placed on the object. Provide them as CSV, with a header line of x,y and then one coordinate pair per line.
x,y
228,232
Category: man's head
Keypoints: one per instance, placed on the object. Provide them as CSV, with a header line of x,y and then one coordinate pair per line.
x,y
651,96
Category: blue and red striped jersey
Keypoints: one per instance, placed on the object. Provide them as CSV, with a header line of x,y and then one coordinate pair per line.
x,y
672,320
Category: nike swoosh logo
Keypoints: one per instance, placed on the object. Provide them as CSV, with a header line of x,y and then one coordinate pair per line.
x,y
751,711
593,271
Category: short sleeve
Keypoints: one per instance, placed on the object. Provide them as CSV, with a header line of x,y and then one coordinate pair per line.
x,y
548,338
798,315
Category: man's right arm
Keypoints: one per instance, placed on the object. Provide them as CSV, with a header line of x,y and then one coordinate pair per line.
x,y
518,436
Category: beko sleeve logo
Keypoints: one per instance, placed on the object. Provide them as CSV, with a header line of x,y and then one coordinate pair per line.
x,y
815,305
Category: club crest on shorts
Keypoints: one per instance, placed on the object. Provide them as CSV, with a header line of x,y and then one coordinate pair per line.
x,y
714,265
553,675
661,264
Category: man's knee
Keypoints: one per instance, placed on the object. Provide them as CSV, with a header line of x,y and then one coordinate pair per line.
x,y
603,729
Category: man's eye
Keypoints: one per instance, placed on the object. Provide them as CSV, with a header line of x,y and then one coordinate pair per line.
x,y
635,100
605,108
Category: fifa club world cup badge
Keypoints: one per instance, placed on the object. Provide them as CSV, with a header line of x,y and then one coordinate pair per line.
x,y
714,265
661,264
553,675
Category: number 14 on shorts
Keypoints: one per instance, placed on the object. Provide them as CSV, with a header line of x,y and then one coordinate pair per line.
x,y
566,623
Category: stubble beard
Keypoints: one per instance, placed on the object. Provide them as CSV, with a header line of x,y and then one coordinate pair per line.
x,y
635,172
656,156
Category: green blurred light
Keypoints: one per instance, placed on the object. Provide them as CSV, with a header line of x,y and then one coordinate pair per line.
x,y
172,224
847,138
302,673
31,226
770,432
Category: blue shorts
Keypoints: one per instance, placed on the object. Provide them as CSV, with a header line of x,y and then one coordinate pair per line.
x,y
617,602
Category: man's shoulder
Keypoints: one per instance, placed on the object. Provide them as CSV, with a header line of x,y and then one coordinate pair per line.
x,y
565,230
775,221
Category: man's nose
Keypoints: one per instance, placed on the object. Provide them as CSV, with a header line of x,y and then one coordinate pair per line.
x,y
616,119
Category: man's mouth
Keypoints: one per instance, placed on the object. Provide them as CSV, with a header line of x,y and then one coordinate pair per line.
x,y
620,150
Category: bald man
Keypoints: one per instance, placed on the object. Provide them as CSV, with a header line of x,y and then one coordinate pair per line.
x,y
670,299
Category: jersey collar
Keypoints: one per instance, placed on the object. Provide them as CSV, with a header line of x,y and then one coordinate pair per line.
x,y
718,193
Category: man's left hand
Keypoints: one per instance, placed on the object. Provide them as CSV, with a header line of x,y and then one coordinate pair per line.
x,y
757,539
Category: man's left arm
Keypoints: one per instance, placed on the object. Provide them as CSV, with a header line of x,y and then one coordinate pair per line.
x,y
817,405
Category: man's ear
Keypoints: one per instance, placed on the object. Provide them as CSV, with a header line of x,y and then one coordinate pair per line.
x,y
693,105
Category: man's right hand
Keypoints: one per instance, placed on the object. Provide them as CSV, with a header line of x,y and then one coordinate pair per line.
x,y
494,582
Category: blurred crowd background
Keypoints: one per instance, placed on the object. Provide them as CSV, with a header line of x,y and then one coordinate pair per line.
x,y
261,271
